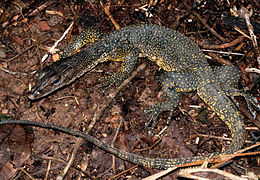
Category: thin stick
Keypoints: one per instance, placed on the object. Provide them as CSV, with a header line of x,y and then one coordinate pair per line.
x,y
21,169
112,144
220,138
246,15
222,46
223,52
48,170
107,11
117,175
98,114
219,59
32,33
206,25
28,48
187,173
255,70
19,73
57,42
75,149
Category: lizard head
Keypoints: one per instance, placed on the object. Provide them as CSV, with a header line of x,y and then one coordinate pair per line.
x,y
60,74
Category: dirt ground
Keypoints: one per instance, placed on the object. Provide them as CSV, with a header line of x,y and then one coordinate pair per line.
x,y
30,28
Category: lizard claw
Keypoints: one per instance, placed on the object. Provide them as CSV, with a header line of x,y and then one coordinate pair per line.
x,y
106,82
153,112
252,104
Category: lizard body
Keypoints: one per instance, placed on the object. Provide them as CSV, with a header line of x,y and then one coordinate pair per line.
x,y
186,69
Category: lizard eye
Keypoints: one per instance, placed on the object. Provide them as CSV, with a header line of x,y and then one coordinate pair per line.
x,y
57,81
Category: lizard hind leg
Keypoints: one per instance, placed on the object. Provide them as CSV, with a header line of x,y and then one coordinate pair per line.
x,y
173,85
228,78
170,103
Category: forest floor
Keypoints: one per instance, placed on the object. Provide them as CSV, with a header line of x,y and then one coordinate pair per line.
x,y
30,28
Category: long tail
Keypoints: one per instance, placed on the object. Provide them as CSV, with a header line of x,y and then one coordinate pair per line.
x,y
158,163
210,92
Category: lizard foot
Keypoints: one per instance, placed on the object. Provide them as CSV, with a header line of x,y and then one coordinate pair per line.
x,y
252,103
154,111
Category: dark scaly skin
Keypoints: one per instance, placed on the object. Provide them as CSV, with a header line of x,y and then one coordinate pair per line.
x,y
174,53
156,163
228,77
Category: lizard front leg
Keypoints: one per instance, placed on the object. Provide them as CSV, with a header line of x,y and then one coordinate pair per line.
x,y
127,67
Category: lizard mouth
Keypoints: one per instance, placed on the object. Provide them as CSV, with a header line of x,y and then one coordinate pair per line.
x,y
45,86
41,92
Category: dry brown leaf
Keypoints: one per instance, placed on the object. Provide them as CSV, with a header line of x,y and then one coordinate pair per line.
x,y
15,149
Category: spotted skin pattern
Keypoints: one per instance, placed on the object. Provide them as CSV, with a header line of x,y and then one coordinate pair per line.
x,y
186,70
87,36
228,77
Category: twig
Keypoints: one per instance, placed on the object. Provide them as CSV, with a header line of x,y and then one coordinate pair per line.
x,y
94,9
82,113
252,129
48,170
41,7
13,20
255,70
222,46
33,36
19,73
111,96
26,49
10,59
223,52
21,169
205,24
221,159
241,32
237,154
72,157
187,173
114,177
107,11
75,149
219,59
99,112
53,159
160,174
217,137
244,13
56,43
112,144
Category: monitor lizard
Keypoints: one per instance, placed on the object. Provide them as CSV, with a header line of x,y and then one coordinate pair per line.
x,y
186,69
